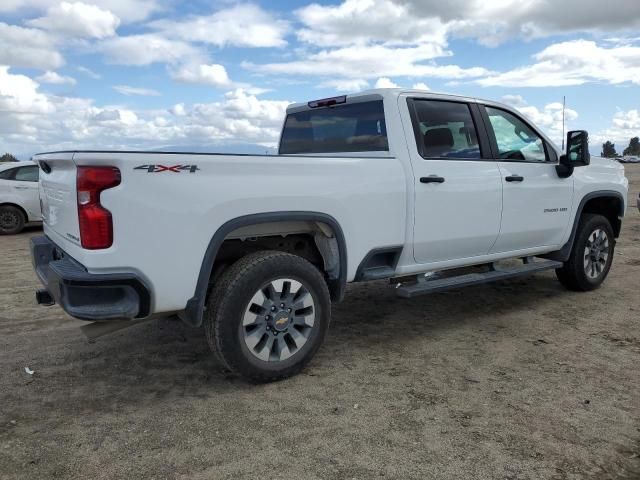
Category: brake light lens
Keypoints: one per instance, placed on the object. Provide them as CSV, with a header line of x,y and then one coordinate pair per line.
x,y
96,224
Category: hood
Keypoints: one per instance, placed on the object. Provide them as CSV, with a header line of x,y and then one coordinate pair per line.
x,y
606,163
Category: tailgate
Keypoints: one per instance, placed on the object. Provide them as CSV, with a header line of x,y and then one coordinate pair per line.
x,y
58,198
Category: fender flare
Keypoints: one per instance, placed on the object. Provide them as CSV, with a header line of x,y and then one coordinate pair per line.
x,y
563,254
193,312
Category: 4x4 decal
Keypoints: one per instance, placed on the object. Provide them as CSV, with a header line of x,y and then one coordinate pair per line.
x,y
163,168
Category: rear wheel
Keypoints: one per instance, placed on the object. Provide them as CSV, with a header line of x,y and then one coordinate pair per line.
x,y
591,255
268,315
12,220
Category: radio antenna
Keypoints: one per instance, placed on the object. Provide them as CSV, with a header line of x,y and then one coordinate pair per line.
x,y
564,104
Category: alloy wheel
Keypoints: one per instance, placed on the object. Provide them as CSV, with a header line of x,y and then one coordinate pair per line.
x,y
596,253
278,320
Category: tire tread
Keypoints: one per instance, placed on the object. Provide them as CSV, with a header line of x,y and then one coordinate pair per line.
x,y
571,274
232,279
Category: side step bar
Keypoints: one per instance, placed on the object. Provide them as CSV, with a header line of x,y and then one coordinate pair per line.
x,y
424,285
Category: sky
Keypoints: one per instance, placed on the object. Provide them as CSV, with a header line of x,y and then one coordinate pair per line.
x,y
218,75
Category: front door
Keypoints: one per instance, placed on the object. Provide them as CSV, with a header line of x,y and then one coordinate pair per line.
x,y
536,201
458,193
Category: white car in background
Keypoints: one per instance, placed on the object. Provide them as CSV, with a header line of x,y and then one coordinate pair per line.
x,y
630,159
19,198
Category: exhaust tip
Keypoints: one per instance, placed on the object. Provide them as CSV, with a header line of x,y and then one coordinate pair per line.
x,y
43,297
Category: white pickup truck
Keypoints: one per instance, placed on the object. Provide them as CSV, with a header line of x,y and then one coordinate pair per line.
x,y
430,191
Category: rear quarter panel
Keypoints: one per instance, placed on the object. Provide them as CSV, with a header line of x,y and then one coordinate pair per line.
x,y
163,221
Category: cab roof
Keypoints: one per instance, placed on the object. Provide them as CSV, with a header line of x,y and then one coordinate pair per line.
x,y
395,92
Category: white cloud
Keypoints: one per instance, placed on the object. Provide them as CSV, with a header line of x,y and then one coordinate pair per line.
x,y
625,125
384,82
492,23
126,10
366,21
78,20
55,78
213,74
28,47
514,100
145,49
19,94
129,90
420,86
89,73
33,121
245,25
373,61
573,63
366,39
178,110
346,85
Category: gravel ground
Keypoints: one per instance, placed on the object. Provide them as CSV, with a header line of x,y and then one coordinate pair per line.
x,y
515,380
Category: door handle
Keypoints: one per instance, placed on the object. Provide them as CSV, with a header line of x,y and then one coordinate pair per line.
x,y
432,179
514,178
21,188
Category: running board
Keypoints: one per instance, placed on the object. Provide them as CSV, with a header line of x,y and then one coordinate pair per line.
x,y
424,285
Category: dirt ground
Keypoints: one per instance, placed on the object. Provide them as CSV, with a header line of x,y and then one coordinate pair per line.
x,y
515,380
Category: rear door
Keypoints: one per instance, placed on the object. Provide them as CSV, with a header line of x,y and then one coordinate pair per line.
x,y
458,191
25,185
536,201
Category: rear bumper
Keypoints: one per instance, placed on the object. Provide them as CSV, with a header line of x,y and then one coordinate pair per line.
x,y
85,295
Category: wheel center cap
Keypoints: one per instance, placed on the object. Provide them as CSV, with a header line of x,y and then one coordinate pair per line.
x,y
281,321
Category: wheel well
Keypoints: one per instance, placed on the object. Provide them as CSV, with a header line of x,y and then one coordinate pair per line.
x,y
609,207
232,249
313,241
24,212
266,231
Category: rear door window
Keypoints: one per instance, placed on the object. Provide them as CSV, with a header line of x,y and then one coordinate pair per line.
x,y
446,130
354,127
26,174
8,174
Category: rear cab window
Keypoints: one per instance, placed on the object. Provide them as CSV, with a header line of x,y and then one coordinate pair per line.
x,y
445,130
348,127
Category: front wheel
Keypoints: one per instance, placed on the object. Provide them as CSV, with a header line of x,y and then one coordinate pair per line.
x,y
268,315
591,255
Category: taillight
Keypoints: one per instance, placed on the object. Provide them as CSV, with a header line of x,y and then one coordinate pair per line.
x,y
96,225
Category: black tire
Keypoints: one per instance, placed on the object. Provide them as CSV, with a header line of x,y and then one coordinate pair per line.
x,y
12,220
573,274
232,297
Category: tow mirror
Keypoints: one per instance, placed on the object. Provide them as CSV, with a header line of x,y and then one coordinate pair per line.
x,y
578,148
577,154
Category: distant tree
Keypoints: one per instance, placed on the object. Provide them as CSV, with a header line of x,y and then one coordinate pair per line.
x,y
608,150
633,148
7,157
